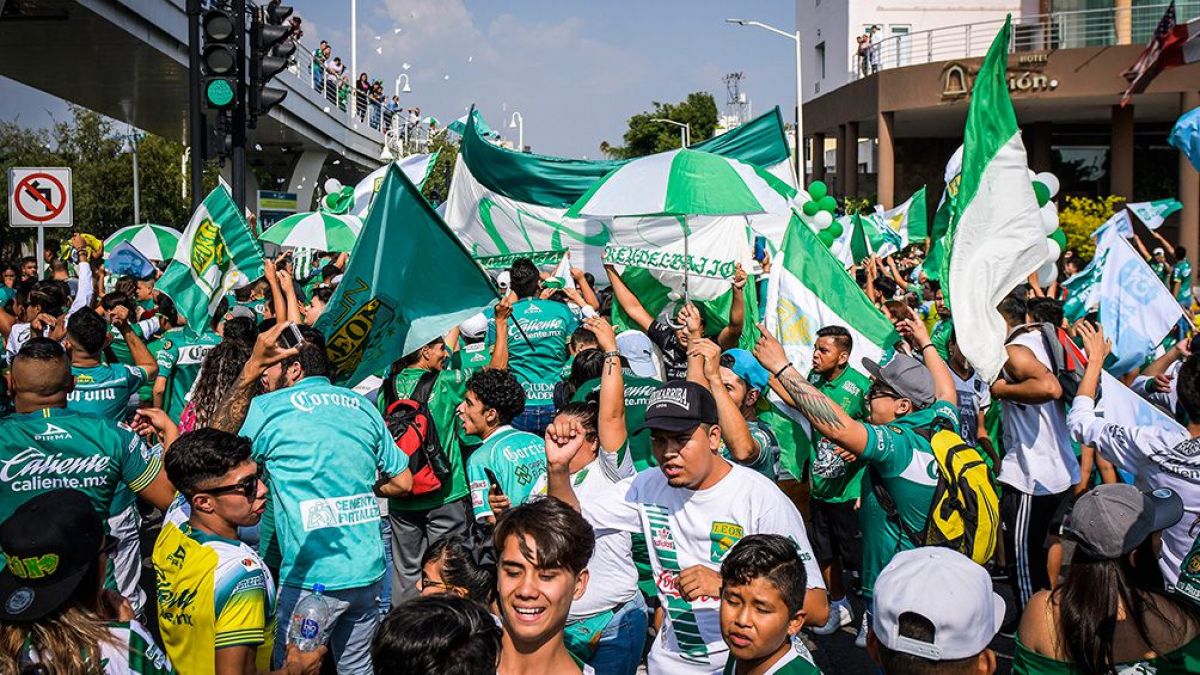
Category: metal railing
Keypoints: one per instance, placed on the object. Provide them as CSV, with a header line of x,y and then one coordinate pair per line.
x,y
1041,32
341,97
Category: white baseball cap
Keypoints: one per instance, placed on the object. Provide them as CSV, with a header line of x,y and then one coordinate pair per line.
x,y
475,327
948,589
637,348
502,280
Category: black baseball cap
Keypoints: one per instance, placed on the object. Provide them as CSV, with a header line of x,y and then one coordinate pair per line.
x,y
679,405
50,542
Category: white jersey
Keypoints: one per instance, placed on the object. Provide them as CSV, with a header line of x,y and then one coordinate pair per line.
x,y
1159,457
684,528
1038,457
612,577
974,397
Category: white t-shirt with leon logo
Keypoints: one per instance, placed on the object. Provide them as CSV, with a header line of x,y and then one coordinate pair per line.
x,y
684,528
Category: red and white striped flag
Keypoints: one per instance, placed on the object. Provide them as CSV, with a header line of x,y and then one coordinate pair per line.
x,y
1171,45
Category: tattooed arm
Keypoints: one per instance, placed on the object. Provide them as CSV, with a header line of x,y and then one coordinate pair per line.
x,y
267,352
825,416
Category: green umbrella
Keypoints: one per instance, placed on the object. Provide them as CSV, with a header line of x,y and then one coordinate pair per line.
x,y
315,230
156,242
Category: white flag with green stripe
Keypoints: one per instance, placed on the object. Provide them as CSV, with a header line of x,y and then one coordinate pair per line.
x,y
216,254
1154,213
995,240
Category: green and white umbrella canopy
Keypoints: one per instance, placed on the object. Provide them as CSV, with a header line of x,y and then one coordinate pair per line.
x,y
684,183
315,230
156,242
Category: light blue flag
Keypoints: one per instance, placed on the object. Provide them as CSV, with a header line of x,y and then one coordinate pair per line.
x,y
1185,136
125,259
1136,309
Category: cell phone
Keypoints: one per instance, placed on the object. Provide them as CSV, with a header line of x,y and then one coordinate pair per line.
x,y
291,337
760,248
494,481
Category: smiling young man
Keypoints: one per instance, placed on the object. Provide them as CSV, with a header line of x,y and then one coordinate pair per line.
x,y
544,547
515,458
692,509
762,584
216,598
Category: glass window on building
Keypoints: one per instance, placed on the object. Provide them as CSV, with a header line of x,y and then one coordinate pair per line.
x,y
821,60
901,43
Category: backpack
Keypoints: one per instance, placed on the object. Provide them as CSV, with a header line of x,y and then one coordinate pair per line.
x,y
413,429
965,512
1067,361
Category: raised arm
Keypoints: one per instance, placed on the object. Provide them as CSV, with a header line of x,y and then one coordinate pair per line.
x,y
917,335
1141,247
825,416
734,430
142,358
731,334
231,414
627,300
611,424
585,289
1034,382
563,440
500,346
291,302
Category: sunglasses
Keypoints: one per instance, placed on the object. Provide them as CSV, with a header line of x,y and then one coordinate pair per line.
x,y
881,391
248,487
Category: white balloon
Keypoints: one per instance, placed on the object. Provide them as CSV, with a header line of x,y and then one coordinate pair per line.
x,y
1049,180
332,185
1049,218
1047,273
1055,250
823,219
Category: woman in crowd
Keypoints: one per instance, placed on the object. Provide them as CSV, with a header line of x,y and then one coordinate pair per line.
x,y
452,566
1111,613
222,369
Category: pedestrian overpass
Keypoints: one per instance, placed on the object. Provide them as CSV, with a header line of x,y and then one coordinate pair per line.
x,y
128,59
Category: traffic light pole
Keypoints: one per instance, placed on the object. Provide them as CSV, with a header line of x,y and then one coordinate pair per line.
x,y
196,121
238,154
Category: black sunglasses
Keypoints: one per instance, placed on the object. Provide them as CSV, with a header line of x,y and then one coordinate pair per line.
x,y
878,390
248,486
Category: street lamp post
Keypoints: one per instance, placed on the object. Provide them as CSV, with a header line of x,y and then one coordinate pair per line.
x,y
518,122
137,202
685,130
799,91
406,89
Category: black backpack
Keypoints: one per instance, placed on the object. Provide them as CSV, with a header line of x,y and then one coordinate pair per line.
x,y
413,429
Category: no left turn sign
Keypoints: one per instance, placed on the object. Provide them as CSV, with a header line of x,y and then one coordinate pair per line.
x,y
39,197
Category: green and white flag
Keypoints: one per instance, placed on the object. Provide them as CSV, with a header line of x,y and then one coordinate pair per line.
x,y
1154,213
216,254
995,239
935,260
416,167
409,280
808,289
908,221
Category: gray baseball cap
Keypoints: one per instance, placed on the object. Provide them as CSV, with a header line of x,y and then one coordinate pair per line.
x,y
906,376
1111,520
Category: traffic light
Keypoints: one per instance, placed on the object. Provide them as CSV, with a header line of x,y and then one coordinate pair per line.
x,y
270,48
221,58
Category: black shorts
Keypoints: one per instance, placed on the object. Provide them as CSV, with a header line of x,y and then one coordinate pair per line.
x,y
834,533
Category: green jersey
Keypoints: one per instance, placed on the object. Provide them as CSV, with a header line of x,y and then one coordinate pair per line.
x,y
835,480
538,349
792,663
59,448
448,391
323,447
940,337
637,395
179,363
517,459
117,344
129,650
1161,271
903,459
472,356
104,390
1185,659
1181,274
767,462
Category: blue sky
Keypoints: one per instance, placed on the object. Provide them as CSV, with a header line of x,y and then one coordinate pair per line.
x,y
575,69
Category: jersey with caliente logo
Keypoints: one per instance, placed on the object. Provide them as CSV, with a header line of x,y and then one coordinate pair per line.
x,y
179,363
537,349
696,527
104,390
56,448
323,448
518,460
212,593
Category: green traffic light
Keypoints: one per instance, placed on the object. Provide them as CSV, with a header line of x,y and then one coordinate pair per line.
x,y
219,93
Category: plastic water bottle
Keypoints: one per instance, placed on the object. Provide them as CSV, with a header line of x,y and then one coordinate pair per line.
x,y
310,620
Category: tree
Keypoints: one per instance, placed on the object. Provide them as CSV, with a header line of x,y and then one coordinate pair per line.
x,y
1079,218
437,185
645,137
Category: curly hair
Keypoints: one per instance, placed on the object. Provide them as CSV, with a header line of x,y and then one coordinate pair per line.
x,y
499,389
222,369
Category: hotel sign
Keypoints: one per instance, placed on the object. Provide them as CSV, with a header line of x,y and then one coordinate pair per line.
x,y
958,79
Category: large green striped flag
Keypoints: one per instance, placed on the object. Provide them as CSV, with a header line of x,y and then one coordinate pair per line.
x,y
995,239
409,280
217,253
934,261
807,290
